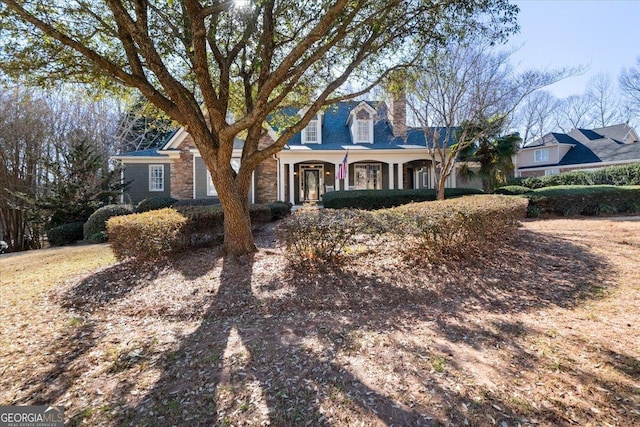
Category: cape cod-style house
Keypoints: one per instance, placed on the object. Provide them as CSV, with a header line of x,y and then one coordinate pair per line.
x,y
380,150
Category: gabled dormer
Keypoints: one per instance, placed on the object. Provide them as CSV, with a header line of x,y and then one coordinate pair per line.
x,y
360,123
312,133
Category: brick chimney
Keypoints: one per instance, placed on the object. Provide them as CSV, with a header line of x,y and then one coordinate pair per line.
x,y
397,110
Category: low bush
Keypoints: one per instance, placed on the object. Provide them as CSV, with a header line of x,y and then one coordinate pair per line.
x,y
154,203
455,228
423,231
209,201
590,200
322,235
65,234
512,190
612,175
154,233
380,199
96,226
279,210
145,236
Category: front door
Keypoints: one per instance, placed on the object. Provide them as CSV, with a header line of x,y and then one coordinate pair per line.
x,y
311,185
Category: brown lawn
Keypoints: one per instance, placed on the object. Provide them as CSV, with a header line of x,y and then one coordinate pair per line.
x,y
544,332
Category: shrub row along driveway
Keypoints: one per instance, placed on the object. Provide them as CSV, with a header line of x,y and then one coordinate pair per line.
x,y
542,333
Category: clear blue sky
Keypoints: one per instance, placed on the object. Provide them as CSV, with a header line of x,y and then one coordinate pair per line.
x,y
601,35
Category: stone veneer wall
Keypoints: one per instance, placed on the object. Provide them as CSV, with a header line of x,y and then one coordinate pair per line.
x,y
182,171
266,176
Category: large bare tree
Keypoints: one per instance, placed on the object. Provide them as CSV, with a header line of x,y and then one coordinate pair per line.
x,y
463,92
199,61
630,82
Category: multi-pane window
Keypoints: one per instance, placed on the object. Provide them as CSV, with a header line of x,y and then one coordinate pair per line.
x,y
548,172
363,131
156,177
541,155
368,176
311,132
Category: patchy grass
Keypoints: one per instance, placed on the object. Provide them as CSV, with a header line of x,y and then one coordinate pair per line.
x,y
542,333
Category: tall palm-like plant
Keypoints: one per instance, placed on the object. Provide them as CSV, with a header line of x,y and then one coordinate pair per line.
x,y
494,155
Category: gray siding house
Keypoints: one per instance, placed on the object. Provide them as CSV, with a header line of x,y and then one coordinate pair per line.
x,y
369,141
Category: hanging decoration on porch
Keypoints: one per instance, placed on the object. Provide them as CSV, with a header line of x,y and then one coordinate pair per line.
x,y
342,169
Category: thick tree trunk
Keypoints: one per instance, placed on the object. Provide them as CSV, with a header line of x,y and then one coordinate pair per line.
x,y
238,239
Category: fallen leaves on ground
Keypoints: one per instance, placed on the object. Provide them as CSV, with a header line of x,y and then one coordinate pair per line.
x,y
540,332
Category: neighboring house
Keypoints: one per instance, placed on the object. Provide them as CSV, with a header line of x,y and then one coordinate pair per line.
x,y
383,153
555,153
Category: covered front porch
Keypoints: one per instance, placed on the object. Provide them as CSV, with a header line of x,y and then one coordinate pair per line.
x,y
306,177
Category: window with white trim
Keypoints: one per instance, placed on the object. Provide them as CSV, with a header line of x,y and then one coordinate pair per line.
x,y
310,133
156,177
363,130
548,172
541,155
211,189
367,176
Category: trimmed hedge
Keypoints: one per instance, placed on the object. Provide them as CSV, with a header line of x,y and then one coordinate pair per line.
x,y
423,231
512,190
145,236
322,235
381,199
65,234
155,202
279,210
455,228
612,175
590,200
153,234
209,201
96,226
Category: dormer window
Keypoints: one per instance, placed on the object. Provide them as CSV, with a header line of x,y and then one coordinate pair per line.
x,y
361,123
310,133
362,131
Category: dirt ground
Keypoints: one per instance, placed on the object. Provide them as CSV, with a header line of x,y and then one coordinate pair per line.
x,y
543,332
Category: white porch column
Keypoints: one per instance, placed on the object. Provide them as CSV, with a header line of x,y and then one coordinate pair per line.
x,y
281,181
346,178
391,166
291,185
335,175
400,180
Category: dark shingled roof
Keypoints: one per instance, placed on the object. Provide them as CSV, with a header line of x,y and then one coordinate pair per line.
x,y
593,145
151,152
337,136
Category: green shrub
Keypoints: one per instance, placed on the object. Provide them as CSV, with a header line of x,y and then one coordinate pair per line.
x,y
96,226
512,190
454,228
145,236
79,213
321,235
380,199
154,233
65,234
154,203
209,201
590,200
279,210
612,175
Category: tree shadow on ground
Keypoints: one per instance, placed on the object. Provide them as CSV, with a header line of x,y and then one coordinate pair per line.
x,y
253,355
277,352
